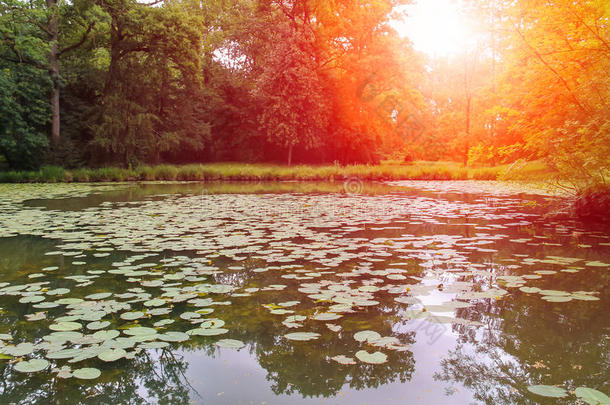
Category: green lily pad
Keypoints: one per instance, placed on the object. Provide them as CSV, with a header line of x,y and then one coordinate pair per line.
x,y
230,343
31,366
592,396
302,336
173,337
548,391
207,331
22,349
343,359
552,298
327,316
163,322
366,336
154,345
98,296
130,316
112,355
140,331
155,302
31,299
106,334
87,373
65,326
371,358
98,325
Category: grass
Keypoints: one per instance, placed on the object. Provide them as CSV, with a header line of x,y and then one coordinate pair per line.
x,y
421,170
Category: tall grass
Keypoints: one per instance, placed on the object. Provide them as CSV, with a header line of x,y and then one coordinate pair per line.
x,y
266,172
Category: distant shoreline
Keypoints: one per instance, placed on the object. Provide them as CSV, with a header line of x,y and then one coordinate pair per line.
x,y
266,172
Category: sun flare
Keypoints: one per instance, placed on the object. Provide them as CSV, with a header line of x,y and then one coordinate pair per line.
x,y
436,27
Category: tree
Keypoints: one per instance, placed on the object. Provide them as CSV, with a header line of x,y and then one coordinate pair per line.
x,y
290,91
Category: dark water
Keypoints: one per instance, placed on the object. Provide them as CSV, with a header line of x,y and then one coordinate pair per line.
x,y
472,294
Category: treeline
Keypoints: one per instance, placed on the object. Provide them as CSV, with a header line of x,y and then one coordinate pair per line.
x,y
95,82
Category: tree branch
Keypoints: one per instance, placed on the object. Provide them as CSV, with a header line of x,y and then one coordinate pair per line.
x,y
80,42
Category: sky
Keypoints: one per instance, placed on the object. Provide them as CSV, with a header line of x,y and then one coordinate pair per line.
x,y
436,27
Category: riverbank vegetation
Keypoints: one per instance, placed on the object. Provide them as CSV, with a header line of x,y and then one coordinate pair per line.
x,y
162,90
535,171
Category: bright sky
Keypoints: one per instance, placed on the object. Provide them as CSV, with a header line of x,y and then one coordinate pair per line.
x,y
436,27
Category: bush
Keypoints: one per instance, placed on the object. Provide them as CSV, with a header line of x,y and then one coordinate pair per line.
x,y
593,205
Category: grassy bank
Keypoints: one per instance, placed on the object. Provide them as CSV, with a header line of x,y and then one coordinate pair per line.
x,y
266,172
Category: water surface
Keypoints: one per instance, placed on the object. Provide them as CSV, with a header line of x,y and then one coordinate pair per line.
x,y
410,292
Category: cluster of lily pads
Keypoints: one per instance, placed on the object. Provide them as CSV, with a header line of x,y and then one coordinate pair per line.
x,y
182,250
589,395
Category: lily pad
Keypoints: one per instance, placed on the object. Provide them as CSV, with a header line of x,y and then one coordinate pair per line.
x,y
31,366
173,337
97,325
592,396
112,355
371,358
548,391
302,336
130,316
140,331
207,331
98,296
343,359
366,336
230,343
87,373
65,326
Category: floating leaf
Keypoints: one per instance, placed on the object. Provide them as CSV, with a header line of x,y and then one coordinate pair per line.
x,y
327,316
140,331
343,359
230,343
548,391
31,366
371,358
302,336
207,332
65,326
130,316
592,396
112,355
98,296
98,325
87,373
366,336
173,336
530,290
22,349
106,334
31,299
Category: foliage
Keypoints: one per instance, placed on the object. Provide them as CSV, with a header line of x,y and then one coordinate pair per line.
x,y
304,81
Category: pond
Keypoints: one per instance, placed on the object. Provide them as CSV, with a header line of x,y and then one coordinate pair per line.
x,y
395,293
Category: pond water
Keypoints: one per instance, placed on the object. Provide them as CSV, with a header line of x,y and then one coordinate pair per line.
x,y
409,292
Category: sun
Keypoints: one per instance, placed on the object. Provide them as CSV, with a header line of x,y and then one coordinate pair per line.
x,y
436,27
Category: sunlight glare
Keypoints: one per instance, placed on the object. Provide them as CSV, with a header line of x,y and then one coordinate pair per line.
x,y
436,27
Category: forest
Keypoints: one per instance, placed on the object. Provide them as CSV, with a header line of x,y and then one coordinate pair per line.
x,y
90,83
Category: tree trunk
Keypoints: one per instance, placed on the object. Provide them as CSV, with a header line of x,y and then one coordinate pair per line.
x,y
54,69
467,131
290,155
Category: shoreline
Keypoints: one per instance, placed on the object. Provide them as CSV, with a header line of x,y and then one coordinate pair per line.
x,y
266,172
